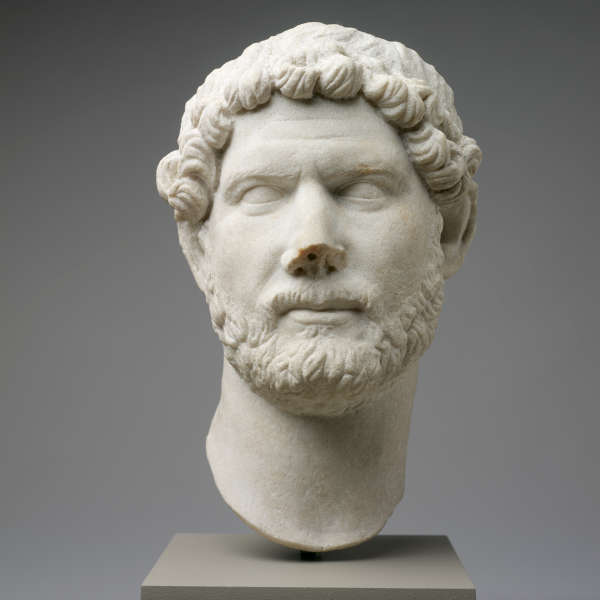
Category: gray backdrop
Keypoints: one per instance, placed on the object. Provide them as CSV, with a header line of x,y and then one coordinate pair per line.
x,y
109,369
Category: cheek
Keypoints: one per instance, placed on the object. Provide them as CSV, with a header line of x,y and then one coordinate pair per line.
x,y
398,260
242,257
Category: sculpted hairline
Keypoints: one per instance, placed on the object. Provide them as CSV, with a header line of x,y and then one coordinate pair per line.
x,y
420,108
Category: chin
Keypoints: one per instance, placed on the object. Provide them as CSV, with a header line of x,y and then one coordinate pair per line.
x,y
319,398
322,376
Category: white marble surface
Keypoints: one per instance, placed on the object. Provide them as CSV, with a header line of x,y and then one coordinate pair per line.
x,y
323,191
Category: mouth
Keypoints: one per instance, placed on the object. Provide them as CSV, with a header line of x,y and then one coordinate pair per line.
x,y
328,312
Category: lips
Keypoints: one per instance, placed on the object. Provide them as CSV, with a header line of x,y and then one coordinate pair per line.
x,y
320,317
327,305
320,306
333,311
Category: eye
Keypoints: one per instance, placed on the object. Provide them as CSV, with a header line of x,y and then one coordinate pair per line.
x,y
365,194
261,199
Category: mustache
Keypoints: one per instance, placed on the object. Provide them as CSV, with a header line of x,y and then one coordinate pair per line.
x,y
339,298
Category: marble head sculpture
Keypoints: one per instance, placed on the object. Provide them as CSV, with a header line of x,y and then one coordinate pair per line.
x,y
323,190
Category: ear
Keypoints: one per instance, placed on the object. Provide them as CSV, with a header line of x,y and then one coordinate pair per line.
x,y
459,227
192,239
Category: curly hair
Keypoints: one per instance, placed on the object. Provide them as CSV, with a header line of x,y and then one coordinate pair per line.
x,y
337,63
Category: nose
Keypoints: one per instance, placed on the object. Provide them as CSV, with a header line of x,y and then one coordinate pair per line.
x,y
313,250
314,260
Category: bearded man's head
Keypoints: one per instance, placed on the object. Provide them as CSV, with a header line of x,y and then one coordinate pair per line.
x,y
323,191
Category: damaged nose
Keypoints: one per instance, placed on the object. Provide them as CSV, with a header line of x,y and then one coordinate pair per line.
x,y
315,260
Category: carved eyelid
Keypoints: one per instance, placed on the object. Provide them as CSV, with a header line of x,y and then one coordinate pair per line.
x,y
270,188
382,184
375,185
235,191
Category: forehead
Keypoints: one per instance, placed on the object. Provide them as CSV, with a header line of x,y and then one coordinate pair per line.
x,y
287,132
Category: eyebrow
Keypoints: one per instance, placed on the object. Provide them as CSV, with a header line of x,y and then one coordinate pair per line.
x,y
359,171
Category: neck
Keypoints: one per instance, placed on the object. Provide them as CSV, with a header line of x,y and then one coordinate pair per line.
x,y
311,483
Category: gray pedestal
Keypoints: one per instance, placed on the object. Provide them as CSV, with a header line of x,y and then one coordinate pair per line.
x,y
248,567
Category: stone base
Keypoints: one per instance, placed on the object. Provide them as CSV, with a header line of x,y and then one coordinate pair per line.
x,y
248,567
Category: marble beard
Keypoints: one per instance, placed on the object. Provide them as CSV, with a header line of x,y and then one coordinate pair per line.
x,y
320,373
